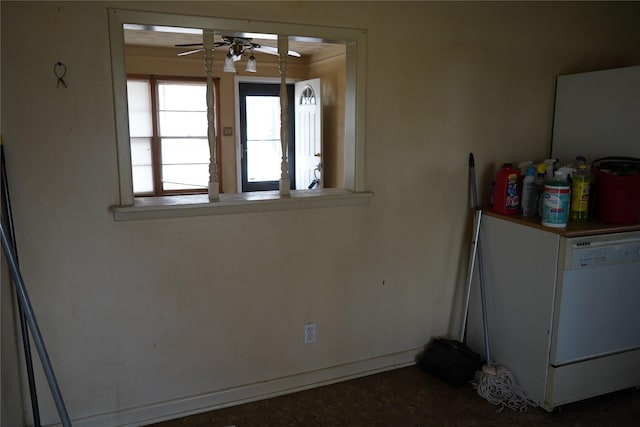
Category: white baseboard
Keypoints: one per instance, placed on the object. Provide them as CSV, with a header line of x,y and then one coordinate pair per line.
x,y
177,408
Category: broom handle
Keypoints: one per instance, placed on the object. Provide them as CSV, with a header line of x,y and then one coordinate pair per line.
x,y
472,255
470,269
474,245
485,322
476,205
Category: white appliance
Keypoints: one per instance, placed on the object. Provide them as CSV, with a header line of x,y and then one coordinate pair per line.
x,y
562,307
597,114
563,303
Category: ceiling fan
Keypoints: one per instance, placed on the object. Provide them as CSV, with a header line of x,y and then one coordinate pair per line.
x,y
237,47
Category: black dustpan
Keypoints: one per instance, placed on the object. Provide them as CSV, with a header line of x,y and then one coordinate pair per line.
x,y
449,360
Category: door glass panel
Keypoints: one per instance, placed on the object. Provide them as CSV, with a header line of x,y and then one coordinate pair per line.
x,y
263,138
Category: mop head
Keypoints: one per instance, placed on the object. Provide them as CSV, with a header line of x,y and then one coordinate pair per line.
x,y
498,386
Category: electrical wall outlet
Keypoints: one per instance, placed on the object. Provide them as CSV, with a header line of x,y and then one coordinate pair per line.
x,y
309,333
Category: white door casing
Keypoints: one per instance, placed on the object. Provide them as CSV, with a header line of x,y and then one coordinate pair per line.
x,y
308,141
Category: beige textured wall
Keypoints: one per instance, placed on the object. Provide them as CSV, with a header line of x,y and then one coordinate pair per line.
x,y
142,317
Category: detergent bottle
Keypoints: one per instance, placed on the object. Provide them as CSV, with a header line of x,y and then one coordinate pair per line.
x,y
506,197
580,195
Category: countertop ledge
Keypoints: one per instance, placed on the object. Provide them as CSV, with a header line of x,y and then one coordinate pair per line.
x,y
589,228
259,201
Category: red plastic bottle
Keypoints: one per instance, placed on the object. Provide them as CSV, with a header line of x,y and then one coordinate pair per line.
x,y
506,197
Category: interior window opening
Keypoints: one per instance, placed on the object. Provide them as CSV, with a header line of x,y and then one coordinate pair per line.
x,y
165,152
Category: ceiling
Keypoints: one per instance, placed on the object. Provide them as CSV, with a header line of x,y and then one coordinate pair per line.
x,y
170,36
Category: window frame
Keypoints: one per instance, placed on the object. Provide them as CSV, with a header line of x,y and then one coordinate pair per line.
x,y
355,41
156,157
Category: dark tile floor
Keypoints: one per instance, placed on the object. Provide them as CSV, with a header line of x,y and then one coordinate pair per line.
x,y
409,397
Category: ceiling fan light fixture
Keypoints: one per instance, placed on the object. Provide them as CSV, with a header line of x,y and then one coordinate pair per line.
x,y
229,65
251,64
237,49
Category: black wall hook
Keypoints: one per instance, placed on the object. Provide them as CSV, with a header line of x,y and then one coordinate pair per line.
x,y
60,70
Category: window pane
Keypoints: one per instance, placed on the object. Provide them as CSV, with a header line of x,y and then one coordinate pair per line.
x,y
175,151
182,115
142,172
142,179
182,96
184,177
182,123
139,102
185,163
182,108
141,151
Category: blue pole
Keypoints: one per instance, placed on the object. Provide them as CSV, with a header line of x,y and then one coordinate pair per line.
x,y
23,320
23,298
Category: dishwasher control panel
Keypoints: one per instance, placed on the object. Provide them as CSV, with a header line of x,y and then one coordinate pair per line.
x,y
600,251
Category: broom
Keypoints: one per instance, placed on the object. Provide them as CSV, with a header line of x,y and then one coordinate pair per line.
x,y
452,360
496,384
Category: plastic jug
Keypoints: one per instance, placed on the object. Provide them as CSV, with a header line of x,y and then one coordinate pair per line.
x,y
506,197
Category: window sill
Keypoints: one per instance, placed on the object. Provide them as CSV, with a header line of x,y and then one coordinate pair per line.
x,y
262,201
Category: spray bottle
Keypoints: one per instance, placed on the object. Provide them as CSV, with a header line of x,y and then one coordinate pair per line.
x,y
528,203
539,186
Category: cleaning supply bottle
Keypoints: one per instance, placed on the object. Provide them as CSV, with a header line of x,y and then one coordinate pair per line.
x,y
555,205
579,211
550,170
579,160
506,198
528,203
539,186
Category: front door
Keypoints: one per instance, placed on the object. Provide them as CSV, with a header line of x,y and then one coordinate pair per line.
x,y
308,145
260,136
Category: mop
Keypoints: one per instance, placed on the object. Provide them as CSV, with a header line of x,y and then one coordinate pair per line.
x,y
494,383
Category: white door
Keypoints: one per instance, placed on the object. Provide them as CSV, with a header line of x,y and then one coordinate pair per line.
x,y
308,111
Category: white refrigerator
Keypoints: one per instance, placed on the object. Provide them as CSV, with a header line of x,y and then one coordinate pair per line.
x,y
597,114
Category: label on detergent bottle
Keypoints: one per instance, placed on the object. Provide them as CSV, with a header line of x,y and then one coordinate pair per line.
x,y
512,201
555,205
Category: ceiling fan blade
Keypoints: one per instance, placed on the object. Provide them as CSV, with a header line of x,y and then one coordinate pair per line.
x,y
266,49
216,44
272,50
189,52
